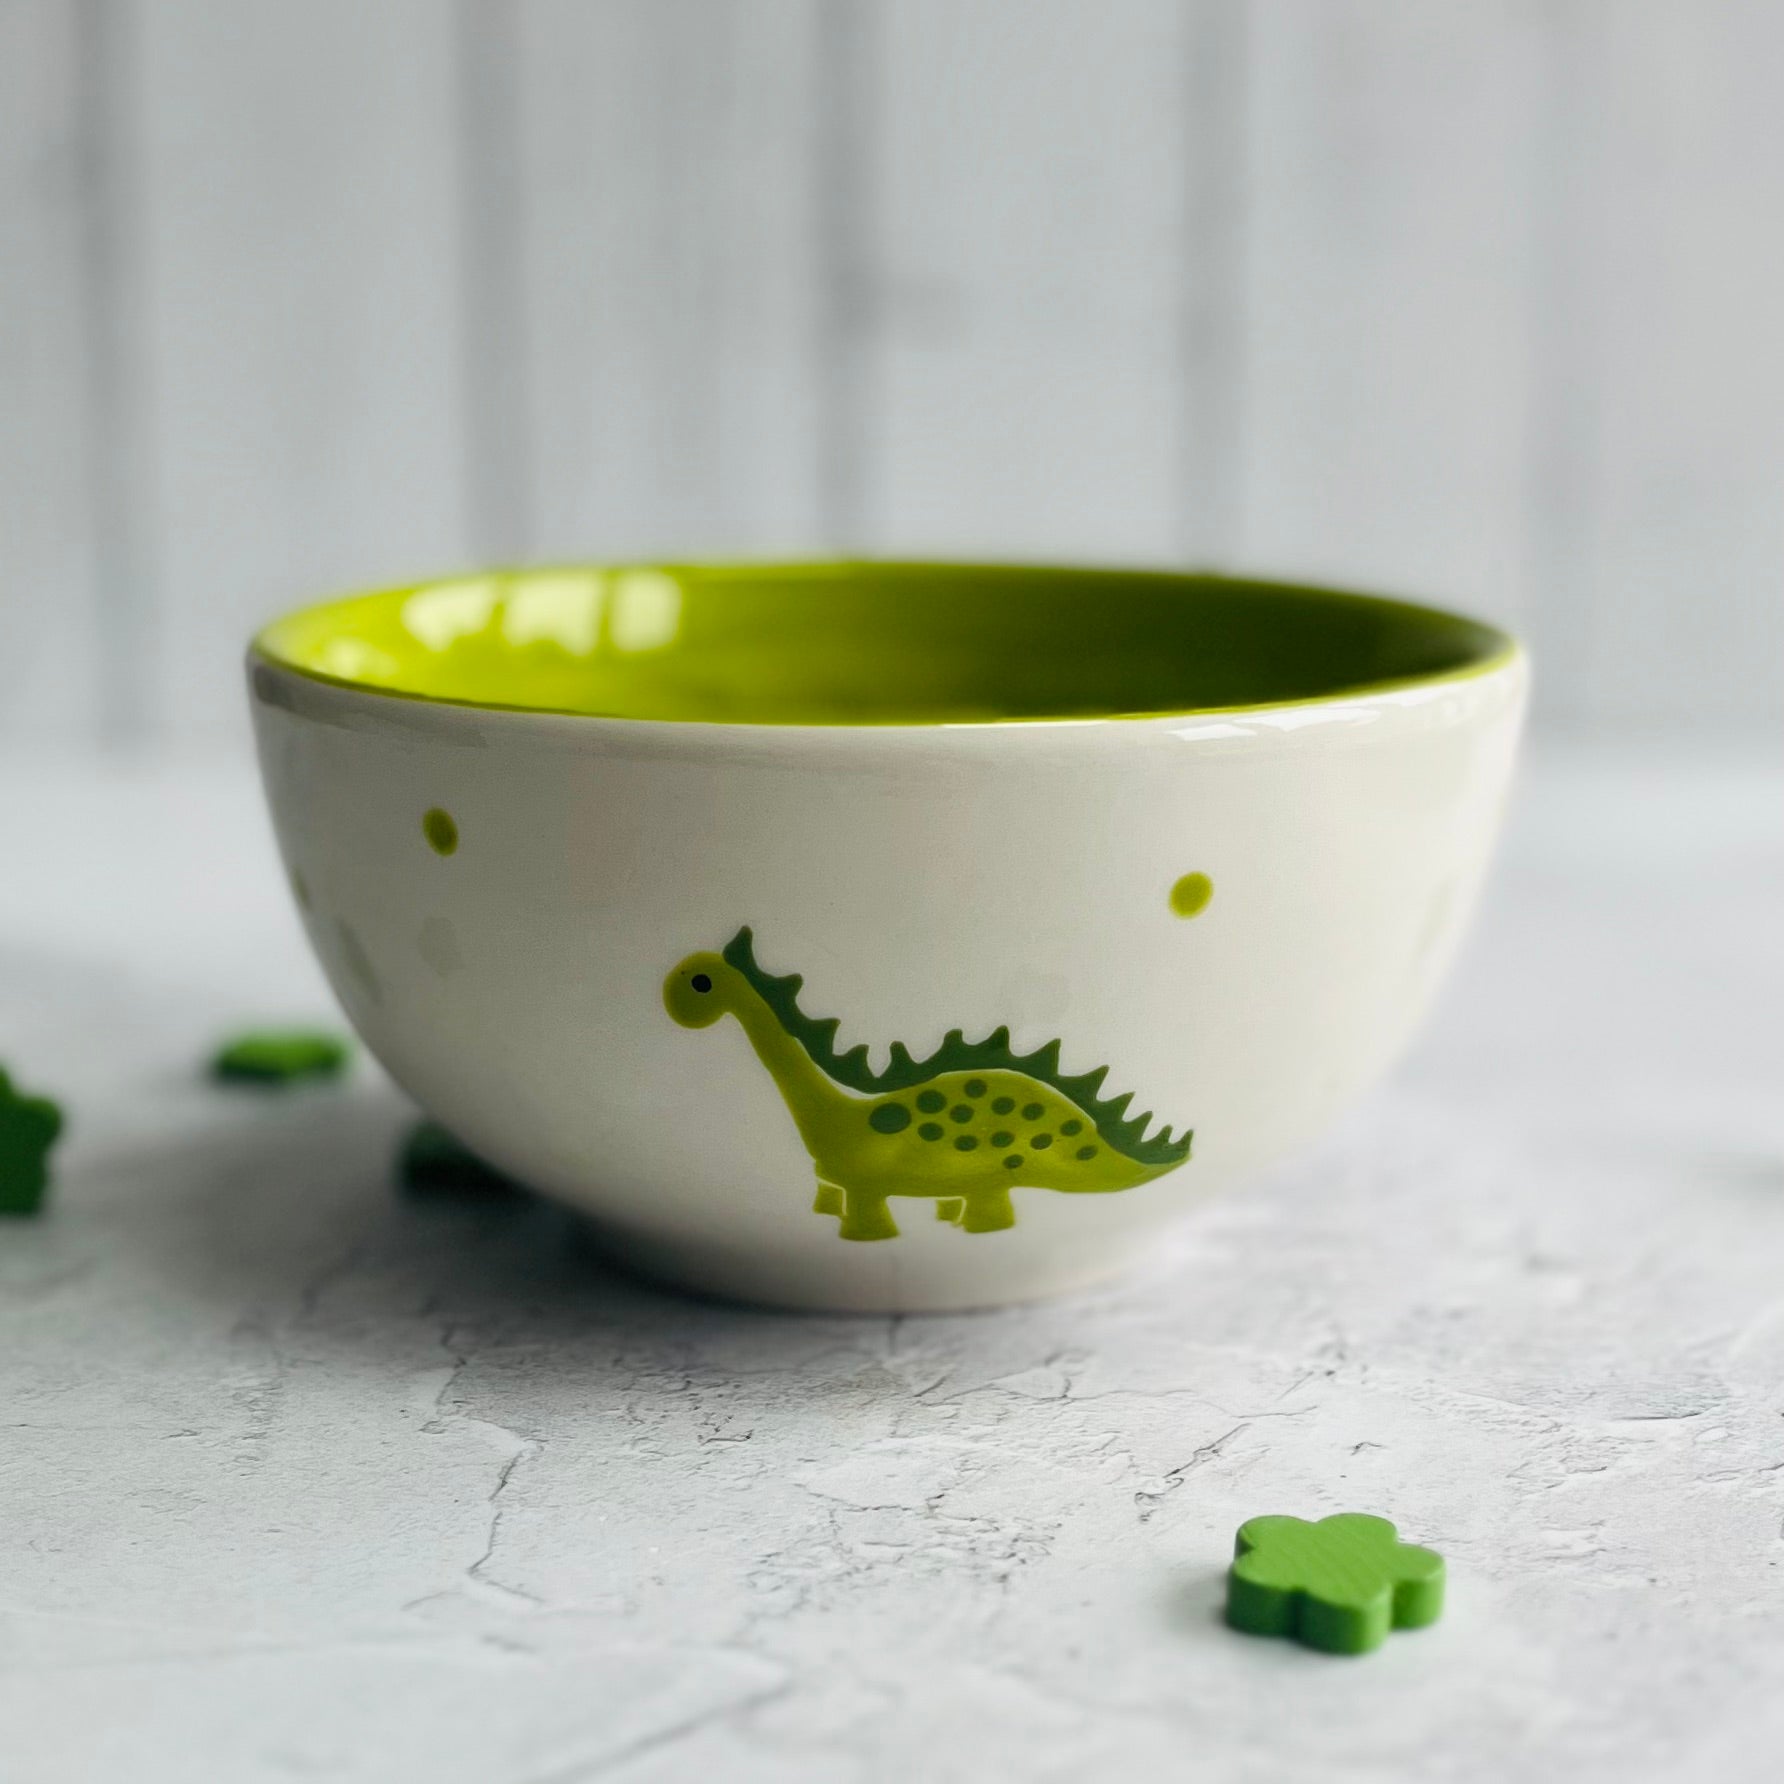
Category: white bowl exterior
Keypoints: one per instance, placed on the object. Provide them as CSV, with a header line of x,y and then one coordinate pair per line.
x,y
921,879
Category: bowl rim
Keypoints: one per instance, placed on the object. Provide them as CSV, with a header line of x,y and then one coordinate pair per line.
x,y
1501,650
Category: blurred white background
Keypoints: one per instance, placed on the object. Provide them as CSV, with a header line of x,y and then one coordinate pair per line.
x,y
1481,302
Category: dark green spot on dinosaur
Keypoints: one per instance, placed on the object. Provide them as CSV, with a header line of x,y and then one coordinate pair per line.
x,y
441,830
860,1163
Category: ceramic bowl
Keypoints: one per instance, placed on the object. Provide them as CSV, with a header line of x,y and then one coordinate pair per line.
x,y
883,937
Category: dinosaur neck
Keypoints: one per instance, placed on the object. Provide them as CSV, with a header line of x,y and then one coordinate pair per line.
x,y
809,1094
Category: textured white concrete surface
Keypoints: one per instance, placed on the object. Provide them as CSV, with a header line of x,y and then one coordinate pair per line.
x,y
300,1480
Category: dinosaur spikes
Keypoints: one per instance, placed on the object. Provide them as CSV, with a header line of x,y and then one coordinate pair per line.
x,y
1083,1089
854,1069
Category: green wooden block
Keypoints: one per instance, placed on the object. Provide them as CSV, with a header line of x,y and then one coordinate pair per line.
x,y
433,1163
1339,1585
280,1056
29,1126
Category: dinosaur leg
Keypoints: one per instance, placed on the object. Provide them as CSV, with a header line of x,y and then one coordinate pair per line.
x,y
829,1199
950,1209
988,1212
866,1216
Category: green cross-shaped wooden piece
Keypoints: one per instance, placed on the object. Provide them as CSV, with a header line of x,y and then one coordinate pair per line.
x,y
432,1162
277,1056
28,1129
1339,1585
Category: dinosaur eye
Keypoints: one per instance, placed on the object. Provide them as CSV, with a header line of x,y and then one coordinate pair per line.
x,y
701,982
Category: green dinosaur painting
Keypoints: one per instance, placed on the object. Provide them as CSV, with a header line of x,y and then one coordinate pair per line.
x,y
965,1126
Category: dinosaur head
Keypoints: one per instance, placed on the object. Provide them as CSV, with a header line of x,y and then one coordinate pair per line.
x,y
700,990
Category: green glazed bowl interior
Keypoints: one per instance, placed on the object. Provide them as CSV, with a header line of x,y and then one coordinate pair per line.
x,y
874,643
